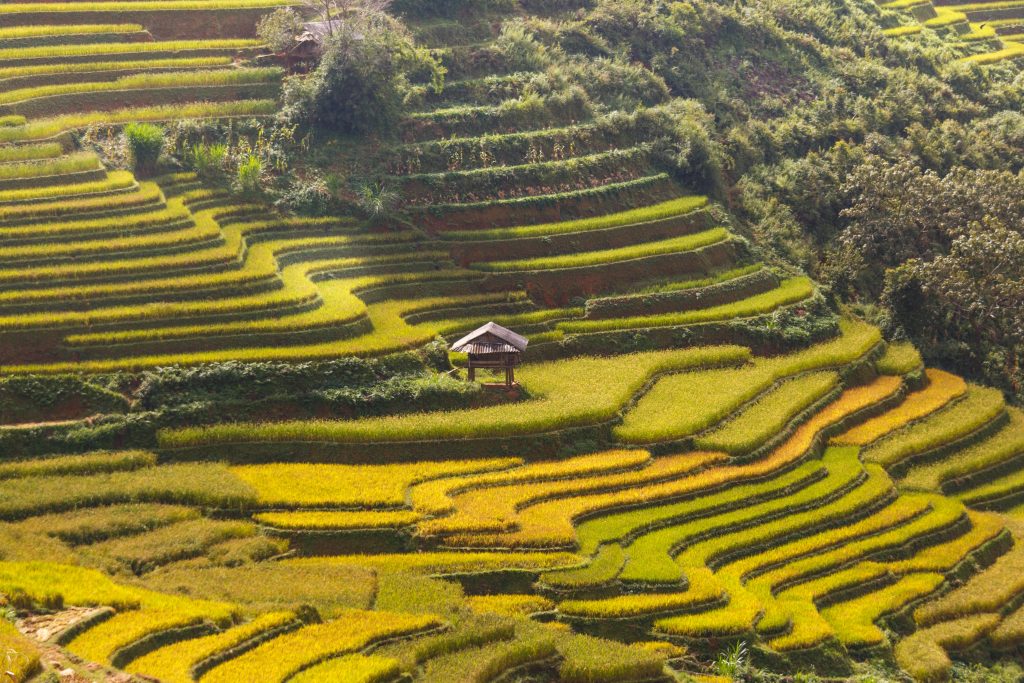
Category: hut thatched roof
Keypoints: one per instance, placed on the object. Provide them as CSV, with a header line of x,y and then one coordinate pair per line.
x,y
491,338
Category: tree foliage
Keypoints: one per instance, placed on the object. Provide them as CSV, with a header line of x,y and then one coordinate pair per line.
x,y
362,77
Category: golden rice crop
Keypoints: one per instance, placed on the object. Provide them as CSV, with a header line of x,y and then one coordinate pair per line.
x,y
146,194
54,584
116,181
769,415
174,662
988,591
943,557
509,605
797,607
205,77
782,561
660,415
488,662
978,408
272,586
1000,447
854,620
624,525
942,515
592,258
550,523
136,5
561,401
171,213
699,593
72,163
46,150
179,541
788,292
302,484
339,520
14,32
88,463
1010,632
208,484
435,497
339,306
351,669
674,207
652,556
45,128
20,656
900,359
95,524
55,52
822,513
494,509
735,617
604,567
446,562
923,654
942,388
221,254
13,72
279,659
99,643
595,660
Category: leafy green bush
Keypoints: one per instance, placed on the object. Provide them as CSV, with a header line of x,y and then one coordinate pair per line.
x,y
144,143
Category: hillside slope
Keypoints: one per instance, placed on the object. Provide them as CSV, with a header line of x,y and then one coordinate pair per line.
x,y
235,447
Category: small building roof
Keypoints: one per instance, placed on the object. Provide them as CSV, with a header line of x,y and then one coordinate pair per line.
x,y
491,338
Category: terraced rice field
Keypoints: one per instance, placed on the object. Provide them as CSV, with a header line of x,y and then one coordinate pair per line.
x,y
985,32
670,475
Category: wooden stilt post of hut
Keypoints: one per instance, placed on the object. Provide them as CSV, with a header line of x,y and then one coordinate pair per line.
x,y
493,347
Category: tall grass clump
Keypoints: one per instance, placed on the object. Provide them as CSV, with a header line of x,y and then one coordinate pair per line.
x,y
144,143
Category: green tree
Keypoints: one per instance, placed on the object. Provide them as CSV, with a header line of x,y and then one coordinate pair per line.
x,y
362,78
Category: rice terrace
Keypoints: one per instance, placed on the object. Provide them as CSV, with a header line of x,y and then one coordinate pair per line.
x,y
518,341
